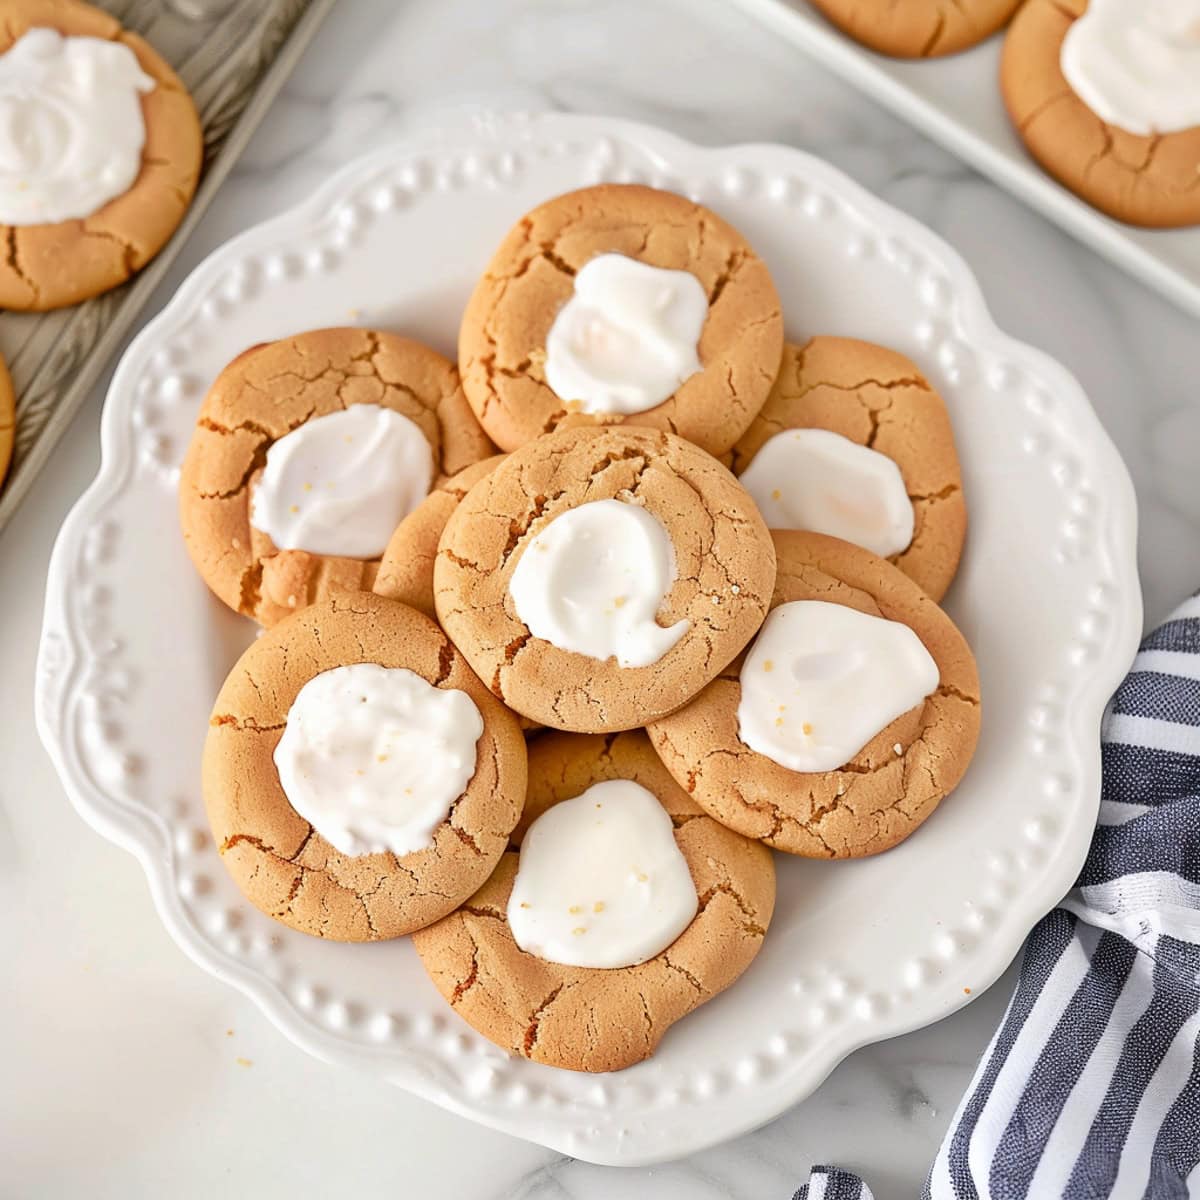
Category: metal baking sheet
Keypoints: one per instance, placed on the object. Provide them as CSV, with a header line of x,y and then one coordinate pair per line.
x,y
233,56
956,101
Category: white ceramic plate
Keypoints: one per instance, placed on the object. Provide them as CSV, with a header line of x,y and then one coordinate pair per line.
x,y
956,101
134,649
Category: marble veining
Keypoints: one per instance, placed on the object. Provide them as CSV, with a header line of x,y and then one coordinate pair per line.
x,y
377,71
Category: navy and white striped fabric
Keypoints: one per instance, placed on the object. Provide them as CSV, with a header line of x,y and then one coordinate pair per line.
x,y
830,1183
1090,1089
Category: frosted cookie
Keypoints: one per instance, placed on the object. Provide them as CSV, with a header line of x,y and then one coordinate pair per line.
x,y
625,910
1106,96
855,443
616,304
918,28
307,454
360,781
100,152
406,569
851,716
8,420
598,578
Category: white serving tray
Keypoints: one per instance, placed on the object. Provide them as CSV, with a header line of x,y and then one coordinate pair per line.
x,y
134,648
956,101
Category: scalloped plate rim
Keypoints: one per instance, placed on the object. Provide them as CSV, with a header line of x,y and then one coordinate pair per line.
x,y
114,821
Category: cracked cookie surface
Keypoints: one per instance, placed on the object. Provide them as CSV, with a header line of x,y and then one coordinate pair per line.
x,y
588,1019
264,394
8,419
918,28
880,796
406,569
502,339
49,266
1145,180
877,398
724,559
281,864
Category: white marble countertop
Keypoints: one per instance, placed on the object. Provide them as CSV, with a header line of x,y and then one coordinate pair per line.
x,y
128,1071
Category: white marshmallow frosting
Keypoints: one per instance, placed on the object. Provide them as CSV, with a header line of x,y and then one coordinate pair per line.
x,y
601,881
592,581
627,338
375,757
819,480
71,126
1136,63
341,483
821,680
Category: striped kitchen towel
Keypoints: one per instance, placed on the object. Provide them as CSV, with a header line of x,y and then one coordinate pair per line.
x,y
1090,1089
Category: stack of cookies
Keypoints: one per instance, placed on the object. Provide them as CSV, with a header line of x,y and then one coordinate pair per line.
x,y
561,644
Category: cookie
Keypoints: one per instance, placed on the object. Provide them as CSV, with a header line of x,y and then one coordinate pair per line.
x,y
335,494
621,304
8,420
114,197
877,399
897,778
336,881
1144,178
406,569
918,28
599,578
589,1018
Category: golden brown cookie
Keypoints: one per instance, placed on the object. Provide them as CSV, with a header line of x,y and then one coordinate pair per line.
x,y
501,344
8,420
877,398
267,392
918,28
724,565
406,569
879,797
1153,180
50,266
587,1019
283,865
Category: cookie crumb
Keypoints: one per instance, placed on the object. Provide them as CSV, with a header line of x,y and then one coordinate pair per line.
x,y
575,908
966,991
243,1062
768,665
578,930
598,906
